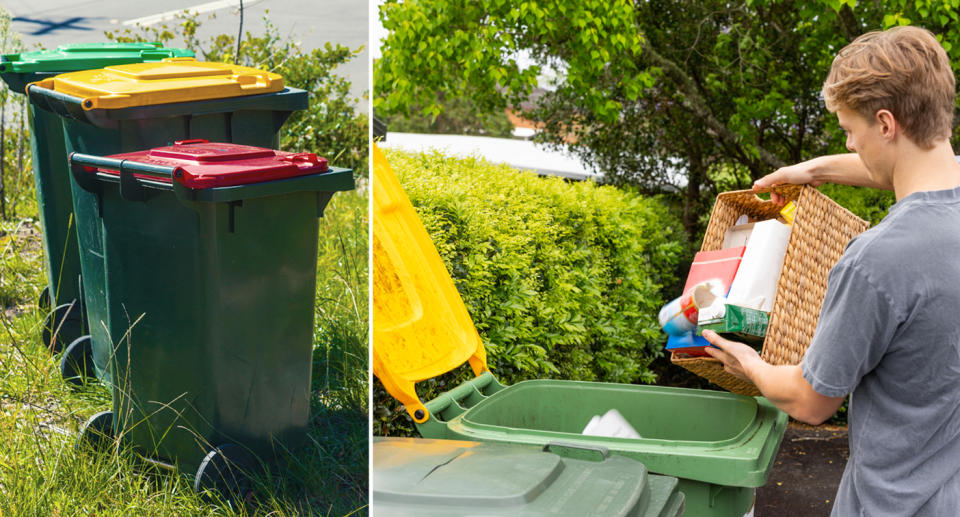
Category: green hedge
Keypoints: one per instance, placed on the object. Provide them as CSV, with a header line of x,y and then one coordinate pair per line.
x,y
563,280
869,204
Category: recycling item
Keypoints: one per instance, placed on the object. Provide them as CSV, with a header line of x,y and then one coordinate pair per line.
x,y
755,284
611,424
721,446
737,323
210,257
62,297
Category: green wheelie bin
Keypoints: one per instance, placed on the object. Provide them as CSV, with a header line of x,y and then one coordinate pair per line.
x,y
62,296
719,445
210,256
417,477
140,106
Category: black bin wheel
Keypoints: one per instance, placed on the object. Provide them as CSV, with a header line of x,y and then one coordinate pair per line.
x,y
226,471
76,364
61,326
44,301
97,432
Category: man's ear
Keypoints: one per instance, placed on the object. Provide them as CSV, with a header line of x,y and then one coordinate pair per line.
x,y
888,123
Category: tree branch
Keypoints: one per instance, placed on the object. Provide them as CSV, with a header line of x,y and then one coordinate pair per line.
x,y
696,103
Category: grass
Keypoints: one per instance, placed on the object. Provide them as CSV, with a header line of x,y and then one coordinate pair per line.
x,y
42,472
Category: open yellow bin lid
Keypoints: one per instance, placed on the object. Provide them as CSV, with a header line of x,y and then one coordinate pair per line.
x,y
421,327
164,82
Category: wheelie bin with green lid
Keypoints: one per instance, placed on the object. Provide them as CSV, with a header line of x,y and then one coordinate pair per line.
x,y
140,106
65,322
721,446
210,256
417,477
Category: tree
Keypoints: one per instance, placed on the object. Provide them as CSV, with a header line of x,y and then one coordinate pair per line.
x,y
710,88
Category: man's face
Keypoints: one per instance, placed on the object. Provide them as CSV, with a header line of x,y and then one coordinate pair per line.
x,y
864,138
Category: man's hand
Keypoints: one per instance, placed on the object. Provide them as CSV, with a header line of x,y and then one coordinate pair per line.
x,y
737,358
783,385
802,173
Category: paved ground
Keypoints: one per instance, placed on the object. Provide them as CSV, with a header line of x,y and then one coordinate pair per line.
x,y
806,473
49,23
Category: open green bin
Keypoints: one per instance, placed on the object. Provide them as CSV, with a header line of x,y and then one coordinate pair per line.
x,y
51,177
420,478
247,107
719,445
211,283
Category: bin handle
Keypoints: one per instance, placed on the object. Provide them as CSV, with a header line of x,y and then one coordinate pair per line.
x,y
599,449
191,141
65,98
131,187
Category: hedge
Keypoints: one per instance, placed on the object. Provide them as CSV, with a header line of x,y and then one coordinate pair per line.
x,y
563,280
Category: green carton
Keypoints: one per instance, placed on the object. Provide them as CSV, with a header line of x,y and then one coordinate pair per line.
x,y
739,324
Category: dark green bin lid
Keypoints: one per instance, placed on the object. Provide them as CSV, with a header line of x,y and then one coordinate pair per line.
x,y
19,69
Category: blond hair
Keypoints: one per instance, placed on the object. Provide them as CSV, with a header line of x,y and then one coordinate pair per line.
x,y
903,70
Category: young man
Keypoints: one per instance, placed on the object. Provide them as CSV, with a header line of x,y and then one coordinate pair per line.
x,y
888,331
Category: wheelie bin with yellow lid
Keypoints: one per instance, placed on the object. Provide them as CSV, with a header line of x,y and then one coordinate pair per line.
x,y
140,106
210,256
721,446
62,298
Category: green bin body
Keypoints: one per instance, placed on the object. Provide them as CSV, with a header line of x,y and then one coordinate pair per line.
x,y
50,173
251,120
210,302
719,445
413,477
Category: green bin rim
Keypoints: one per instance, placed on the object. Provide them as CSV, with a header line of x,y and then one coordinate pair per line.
x,y
87,56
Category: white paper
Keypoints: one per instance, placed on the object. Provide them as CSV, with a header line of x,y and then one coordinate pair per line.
x,y
760,268
611,425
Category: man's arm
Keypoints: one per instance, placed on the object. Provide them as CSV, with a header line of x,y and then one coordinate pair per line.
x,y
783,385
845,169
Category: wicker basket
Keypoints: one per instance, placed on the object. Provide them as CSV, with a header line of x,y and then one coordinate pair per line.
x,y
821,231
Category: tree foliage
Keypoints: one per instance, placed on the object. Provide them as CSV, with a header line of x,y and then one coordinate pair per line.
x,y
653,92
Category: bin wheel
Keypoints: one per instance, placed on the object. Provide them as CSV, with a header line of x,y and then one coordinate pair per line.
x,y
97,432
226,471
76,364
44,302
62,326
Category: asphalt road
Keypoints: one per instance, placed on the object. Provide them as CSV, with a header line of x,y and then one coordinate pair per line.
x,y
48,23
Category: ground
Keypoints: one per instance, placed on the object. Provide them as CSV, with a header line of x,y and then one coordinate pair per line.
x,y
806,472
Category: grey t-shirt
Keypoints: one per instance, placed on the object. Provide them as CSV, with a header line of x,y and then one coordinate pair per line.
x,y
889,332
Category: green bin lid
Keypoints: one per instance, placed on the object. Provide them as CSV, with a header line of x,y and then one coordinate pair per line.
x,y
419,477
19,69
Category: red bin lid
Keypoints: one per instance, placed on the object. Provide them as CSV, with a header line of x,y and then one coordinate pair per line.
x,y
207,164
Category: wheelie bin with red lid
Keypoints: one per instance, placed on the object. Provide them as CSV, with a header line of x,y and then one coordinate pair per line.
x,y
210,257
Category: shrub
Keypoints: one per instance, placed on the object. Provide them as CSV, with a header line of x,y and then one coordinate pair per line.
x,y
869,204
563,280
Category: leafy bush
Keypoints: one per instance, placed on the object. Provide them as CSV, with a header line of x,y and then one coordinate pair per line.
x,y
869,204
563,280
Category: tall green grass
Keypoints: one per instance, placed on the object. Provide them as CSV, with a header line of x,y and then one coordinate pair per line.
x,y
42,473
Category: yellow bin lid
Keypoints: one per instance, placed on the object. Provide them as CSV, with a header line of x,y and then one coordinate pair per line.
x,y
179,79
421,328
